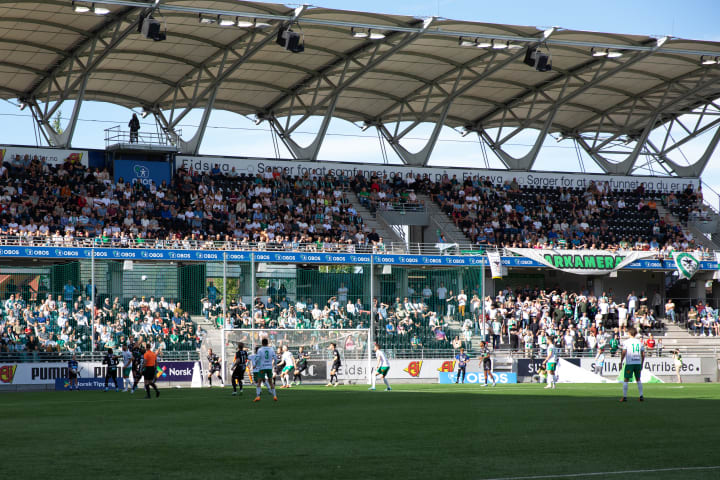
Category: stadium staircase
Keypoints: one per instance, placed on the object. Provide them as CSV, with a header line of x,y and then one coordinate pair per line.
x,y
371,221
439,220
676,336
700,237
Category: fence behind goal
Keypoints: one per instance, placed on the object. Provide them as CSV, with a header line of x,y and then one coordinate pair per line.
x,y
353,345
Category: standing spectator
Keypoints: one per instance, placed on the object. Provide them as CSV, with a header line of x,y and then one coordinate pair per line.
x,y
134,128
462,300
212,293
656,303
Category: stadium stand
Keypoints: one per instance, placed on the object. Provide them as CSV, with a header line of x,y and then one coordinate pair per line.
x,y
510,215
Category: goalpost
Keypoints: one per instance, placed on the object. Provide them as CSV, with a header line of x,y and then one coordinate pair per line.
x,y
354,346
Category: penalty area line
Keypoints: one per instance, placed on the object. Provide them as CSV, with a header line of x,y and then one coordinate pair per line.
x,y
596,474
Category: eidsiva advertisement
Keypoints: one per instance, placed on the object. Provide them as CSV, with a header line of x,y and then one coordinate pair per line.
x,y
357,370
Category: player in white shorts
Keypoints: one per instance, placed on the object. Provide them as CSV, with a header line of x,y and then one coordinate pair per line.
x,y
266,359
288,366
382,367
551,362
633,353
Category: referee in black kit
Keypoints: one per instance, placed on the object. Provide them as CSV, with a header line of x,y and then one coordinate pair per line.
x,y
238,368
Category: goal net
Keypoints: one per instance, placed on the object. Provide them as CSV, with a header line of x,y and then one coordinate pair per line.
x,y
351,343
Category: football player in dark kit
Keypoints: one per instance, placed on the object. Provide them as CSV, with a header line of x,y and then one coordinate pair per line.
x,y
462,360
486,362
336,364
138,363
301,365
112,363
73,367
215,367
238,368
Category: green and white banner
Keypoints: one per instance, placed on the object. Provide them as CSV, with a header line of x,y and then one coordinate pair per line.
x,y
583,262
686,264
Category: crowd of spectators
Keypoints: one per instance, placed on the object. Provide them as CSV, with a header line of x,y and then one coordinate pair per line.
x,y
510,215
63,323
73,205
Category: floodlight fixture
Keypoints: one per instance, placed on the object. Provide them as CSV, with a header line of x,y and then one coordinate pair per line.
x,y
614,53
80,8
484,44
226,22
206,20
369,34
465,42
100,10
497,45
709,60
598,53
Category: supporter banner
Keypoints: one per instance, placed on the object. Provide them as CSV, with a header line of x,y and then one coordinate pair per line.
x,y
142,171
142,254
254,166
357,370
653,365
686,264
527,367
477,377
53,156
44,373
582,262
568,372
495,264
97,383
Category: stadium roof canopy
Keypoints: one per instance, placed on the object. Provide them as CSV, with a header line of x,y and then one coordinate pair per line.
x,y
388,71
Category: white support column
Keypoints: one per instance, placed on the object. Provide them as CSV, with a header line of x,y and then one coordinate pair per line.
x,y
371,380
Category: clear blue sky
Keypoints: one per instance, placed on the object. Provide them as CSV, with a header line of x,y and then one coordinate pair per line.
x,y
692,19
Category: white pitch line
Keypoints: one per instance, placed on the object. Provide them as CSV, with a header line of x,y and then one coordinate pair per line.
x,y
597,474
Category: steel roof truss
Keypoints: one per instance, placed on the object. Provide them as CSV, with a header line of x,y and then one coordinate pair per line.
x,y
311,151
421,157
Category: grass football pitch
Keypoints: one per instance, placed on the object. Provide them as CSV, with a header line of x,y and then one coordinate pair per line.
x,y
345,433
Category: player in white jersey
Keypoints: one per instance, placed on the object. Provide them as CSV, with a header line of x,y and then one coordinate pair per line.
x,y
127,359
265,359
551,362
288,362
255,367
633,354
382,368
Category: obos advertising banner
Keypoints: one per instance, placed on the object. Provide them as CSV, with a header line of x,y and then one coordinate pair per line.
x,y
477,377
133,171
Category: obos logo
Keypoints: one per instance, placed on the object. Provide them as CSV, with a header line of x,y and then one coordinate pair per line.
x,y
413,368
7,373
447,366
141,171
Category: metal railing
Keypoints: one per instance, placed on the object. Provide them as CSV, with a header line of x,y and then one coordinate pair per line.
x,y
401,207
457,249
20,357
118,136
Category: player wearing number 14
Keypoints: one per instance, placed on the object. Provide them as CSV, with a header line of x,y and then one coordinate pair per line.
x,y
633,353
265,359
